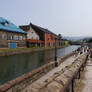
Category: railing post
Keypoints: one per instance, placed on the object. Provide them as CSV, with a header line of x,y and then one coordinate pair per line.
x,y
82,67
79,74
72,85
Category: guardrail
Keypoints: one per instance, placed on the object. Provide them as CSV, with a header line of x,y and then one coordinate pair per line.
x,y
72,85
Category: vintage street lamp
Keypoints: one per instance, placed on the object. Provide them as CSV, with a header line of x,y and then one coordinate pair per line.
x,y
56,63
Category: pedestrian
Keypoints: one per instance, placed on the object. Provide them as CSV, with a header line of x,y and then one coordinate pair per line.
x,y
75,53
81,52
90,57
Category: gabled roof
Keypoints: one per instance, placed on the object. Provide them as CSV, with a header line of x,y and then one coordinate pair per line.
x,y
27,27
10,26
43,29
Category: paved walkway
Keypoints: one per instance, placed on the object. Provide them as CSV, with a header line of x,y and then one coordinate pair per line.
x,y
61,66
88,78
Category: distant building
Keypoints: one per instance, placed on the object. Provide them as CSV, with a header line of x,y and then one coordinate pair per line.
x,y
39,35
11,36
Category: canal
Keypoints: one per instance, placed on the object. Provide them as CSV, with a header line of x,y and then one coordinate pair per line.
x,y
16,65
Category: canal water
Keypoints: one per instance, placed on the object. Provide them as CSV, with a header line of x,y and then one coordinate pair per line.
x,y
16,65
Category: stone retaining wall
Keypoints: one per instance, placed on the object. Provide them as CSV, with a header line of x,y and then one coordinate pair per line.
x,y
23,81
65,80
26,50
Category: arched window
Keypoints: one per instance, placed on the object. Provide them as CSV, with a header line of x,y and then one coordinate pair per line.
x,y
11,37
15,37
20,37
4,36
24,38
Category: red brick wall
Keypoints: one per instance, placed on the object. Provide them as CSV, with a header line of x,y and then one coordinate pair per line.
x,y
49,39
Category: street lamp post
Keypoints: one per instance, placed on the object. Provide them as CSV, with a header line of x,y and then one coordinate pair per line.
x,y
56,63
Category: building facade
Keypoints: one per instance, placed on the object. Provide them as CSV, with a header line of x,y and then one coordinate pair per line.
x,y
31,34
50,39
47,36
41,35
33,39
11,36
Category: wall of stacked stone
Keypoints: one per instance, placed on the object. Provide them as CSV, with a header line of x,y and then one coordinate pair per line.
x,y
23,81
62,80
29,50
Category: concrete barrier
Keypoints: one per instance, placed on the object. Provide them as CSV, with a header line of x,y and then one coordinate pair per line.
x,y
23,81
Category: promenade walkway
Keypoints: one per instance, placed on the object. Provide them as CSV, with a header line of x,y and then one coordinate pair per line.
x,y
49,74
88,78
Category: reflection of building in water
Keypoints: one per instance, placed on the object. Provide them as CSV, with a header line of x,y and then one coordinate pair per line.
x,y
49,55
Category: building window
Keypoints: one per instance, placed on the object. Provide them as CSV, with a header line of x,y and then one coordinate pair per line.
x,y
24,38
4,36
6,24
11,38
20,37
53,44
48,44
15,37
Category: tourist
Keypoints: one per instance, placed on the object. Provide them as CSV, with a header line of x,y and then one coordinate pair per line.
x,y
75,53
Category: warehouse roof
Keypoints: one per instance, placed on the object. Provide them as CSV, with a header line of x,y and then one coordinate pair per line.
x,y
27,27
8,26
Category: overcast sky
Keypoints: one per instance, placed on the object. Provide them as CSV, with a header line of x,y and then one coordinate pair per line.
x,y
68,17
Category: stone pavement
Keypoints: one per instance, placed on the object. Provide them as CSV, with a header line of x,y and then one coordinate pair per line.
x,y
53,71
88,78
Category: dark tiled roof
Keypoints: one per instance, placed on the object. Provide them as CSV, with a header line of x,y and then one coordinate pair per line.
x,y
27,27
43,29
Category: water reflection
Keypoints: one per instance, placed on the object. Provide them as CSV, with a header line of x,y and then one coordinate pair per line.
x,y
16,65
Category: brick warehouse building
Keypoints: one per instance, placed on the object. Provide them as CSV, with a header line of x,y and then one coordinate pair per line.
x,y
11,36
45,35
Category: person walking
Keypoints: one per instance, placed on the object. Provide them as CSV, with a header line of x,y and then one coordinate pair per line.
x,y
75,53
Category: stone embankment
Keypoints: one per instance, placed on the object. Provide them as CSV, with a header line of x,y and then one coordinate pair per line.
x,y
23,81
65,80
8,52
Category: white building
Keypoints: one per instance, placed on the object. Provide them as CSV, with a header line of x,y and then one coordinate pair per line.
x,y
31,34
33,39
